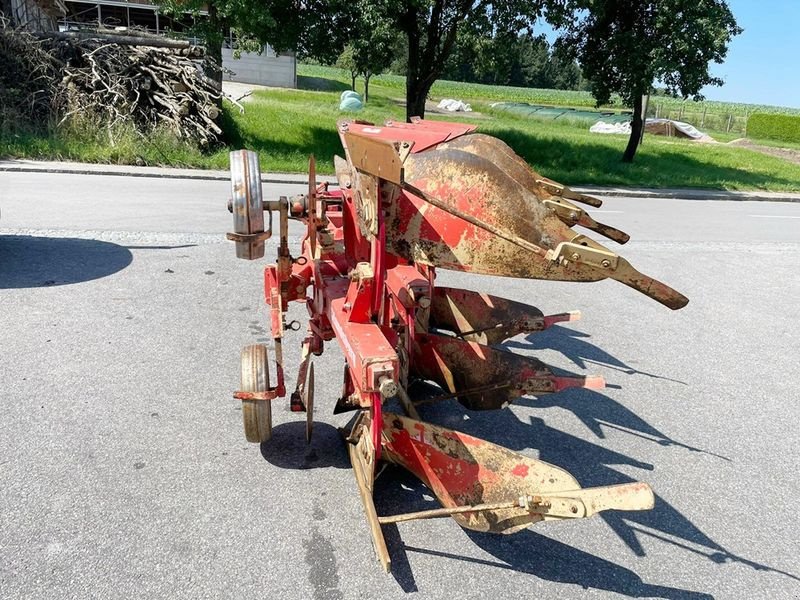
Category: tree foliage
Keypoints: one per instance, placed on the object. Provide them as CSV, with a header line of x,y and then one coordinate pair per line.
x,y
372,46
623,46
312,28
347,62
626,46
432,28
523,60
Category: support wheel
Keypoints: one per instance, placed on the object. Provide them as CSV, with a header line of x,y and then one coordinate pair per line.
x,y
247,202
256,414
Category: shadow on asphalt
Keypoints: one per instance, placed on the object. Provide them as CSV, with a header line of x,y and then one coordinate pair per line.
x,y
31,262
574,345
398,491
288,449
595,410
529,552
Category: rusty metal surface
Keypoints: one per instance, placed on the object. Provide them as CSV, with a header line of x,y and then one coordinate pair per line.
x,y
311,202
485,378
247,206
375,156
471,215
362,458
462,470
413,197
487,319
267,395
555,195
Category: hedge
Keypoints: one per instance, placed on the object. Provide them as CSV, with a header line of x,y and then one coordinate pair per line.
x,y
783,128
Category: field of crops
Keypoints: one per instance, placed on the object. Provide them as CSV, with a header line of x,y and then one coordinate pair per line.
x,y
708,115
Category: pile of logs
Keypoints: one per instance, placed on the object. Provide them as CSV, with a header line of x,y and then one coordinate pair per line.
x,y
108,79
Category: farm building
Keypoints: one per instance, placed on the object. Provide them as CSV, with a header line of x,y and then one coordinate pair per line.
x,y
268,68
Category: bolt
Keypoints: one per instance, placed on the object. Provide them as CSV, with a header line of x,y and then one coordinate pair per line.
x,y
606,263
388,387
573,509
573,216
347,306
575,256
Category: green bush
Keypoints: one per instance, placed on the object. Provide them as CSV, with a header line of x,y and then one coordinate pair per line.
x,y
784,128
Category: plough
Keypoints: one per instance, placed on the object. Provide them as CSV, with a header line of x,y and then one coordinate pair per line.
x,y
411,198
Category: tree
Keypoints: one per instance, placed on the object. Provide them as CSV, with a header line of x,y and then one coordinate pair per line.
x,y
564,73
522,60
373,41
347,62
320,29
432,27
209,24
534,62
625,46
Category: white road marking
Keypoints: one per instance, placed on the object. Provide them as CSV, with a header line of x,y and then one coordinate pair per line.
x,y
774,216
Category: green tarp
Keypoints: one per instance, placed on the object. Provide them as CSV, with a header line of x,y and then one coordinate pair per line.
x,y
536,111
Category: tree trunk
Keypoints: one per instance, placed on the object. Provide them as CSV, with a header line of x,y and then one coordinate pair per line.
x,y
416,96
636,130
418,84
416,92
366,86
212,65
352,81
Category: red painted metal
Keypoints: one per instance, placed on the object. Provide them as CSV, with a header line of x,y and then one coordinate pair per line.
x,y
423,195
373,291
461,367
423,134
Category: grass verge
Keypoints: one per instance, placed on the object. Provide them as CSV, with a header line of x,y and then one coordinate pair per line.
x,y
285,126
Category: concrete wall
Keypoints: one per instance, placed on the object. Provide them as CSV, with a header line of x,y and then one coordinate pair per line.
x,y
266,68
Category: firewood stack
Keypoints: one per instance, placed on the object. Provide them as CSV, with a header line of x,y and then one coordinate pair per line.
x,y
111,79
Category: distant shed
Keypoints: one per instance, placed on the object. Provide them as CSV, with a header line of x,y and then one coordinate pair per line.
x,y
267,68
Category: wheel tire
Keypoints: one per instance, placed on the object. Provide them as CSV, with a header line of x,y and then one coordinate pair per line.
x,y
309,401
256,414
246,201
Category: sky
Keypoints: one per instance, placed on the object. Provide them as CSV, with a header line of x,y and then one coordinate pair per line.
x,y
763,62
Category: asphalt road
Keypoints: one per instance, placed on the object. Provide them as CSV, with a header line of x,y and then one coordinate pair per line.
x,y
124,472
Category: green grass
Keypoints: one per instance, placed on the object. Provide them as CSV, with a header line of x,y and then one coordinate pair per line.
x,y
568,98
124,146
722,120
579,157
285,126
